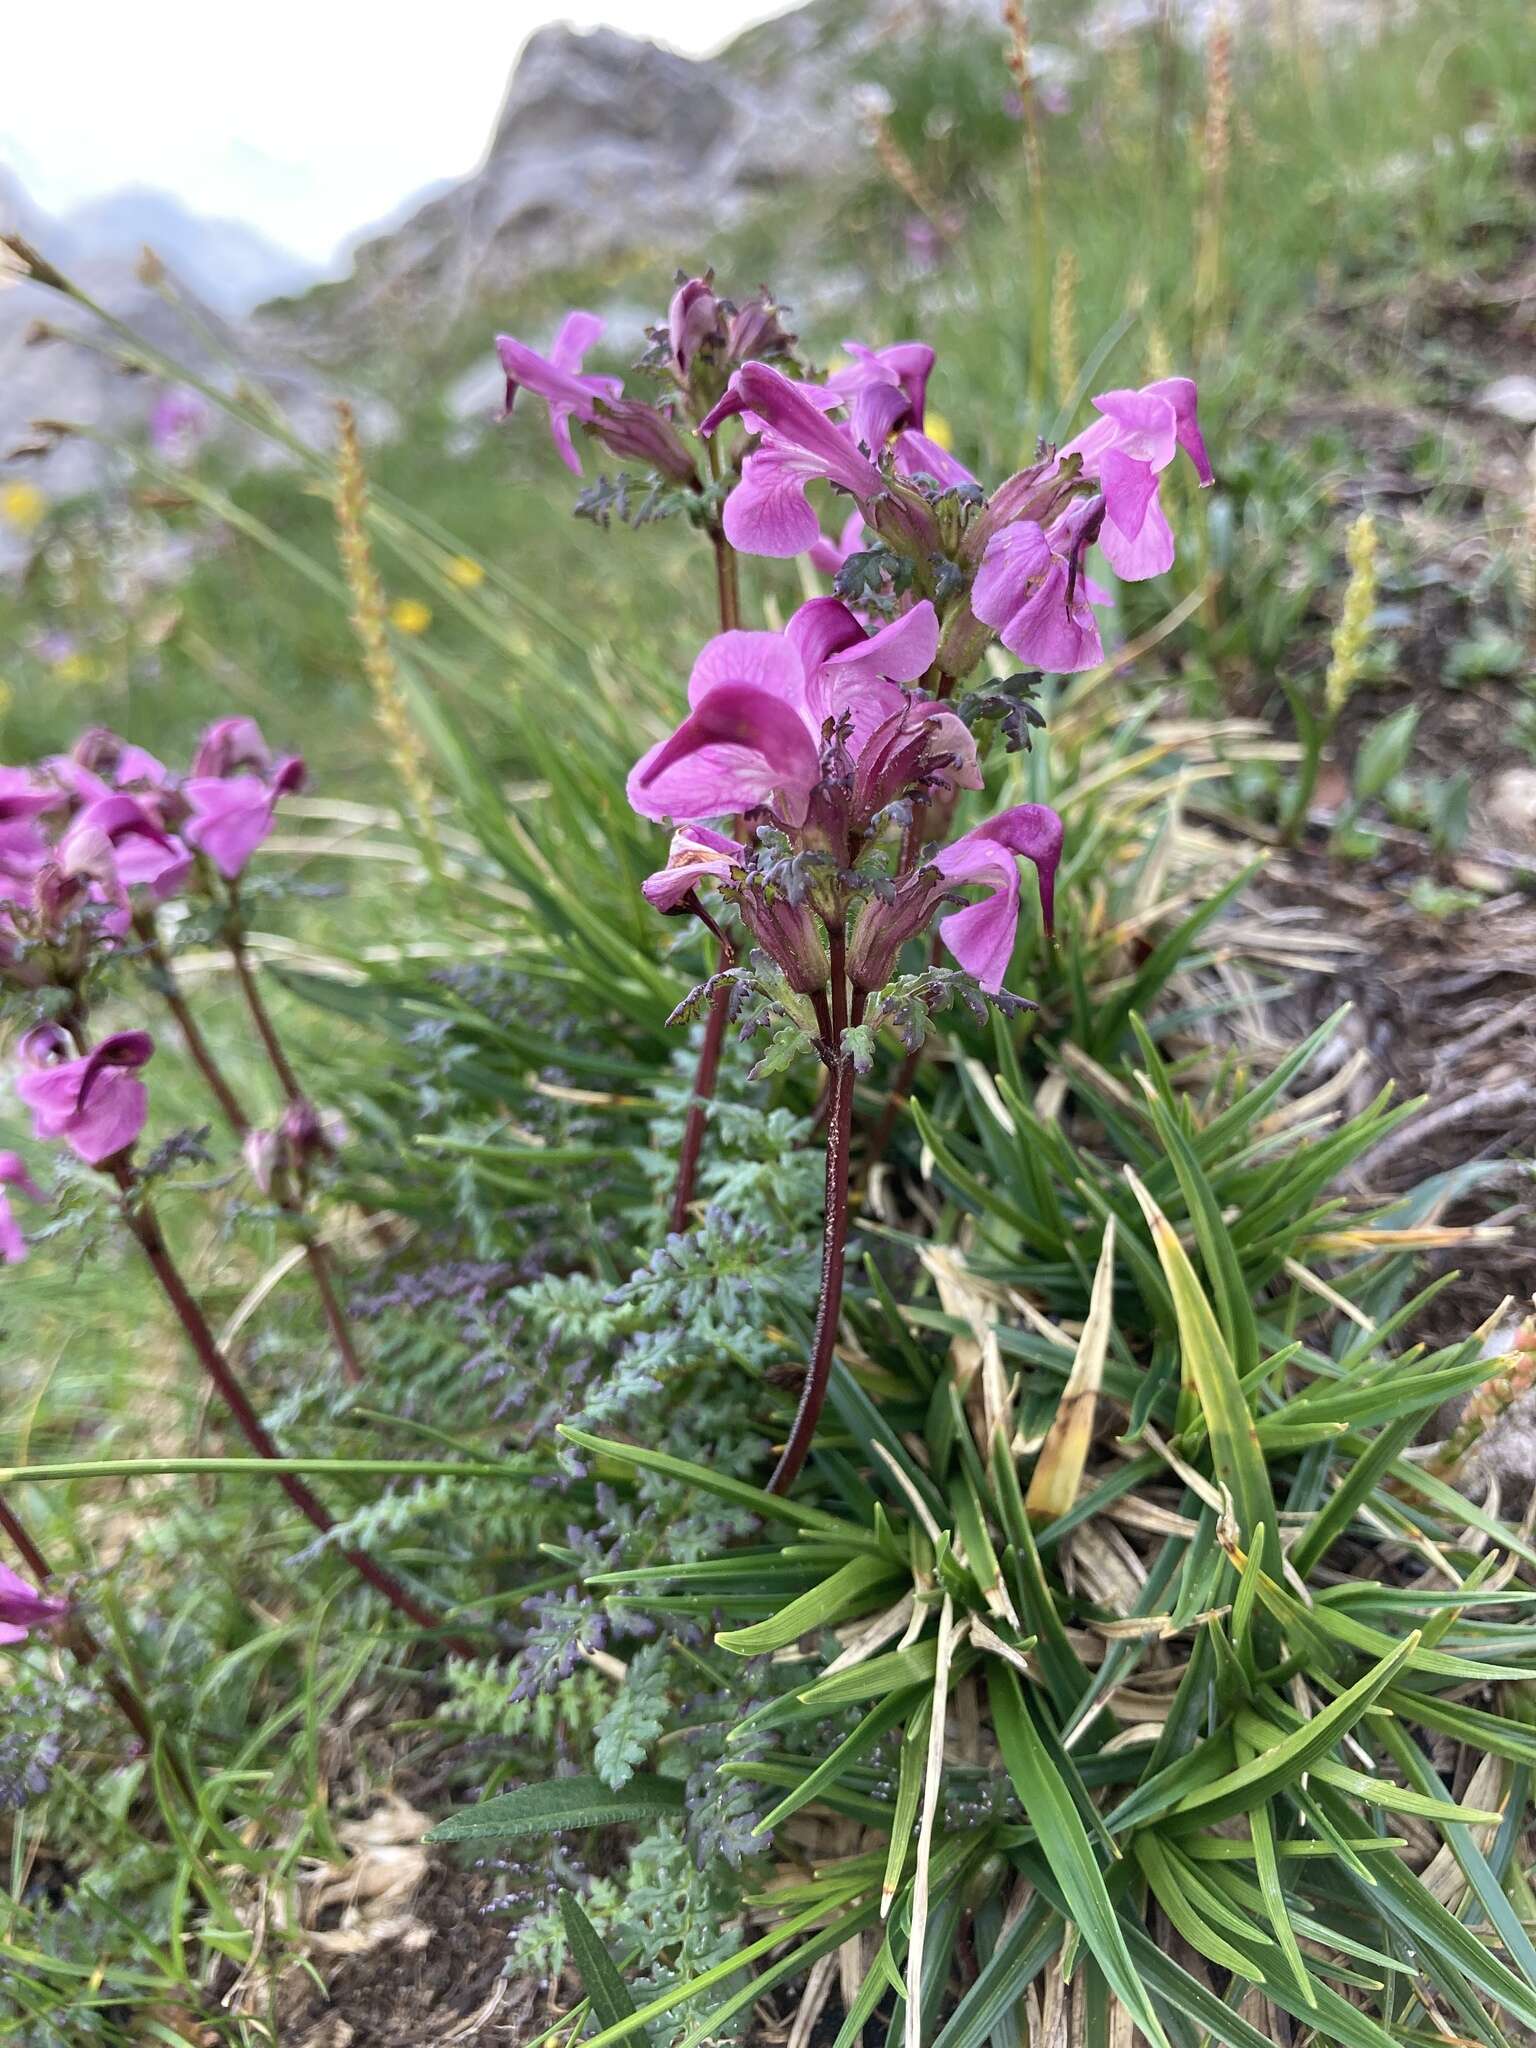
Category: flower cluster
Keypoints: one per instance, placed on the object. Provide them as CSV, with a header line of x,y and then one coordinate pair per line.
x,y
92,842
813,742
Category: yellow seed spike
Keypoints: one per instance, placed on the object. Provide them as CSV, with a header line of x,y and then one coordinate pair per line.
x,y
369,612
1059,1469
1352,635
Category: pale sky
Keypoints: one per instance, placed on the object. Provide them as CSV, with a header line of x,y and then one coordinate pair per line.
x,y
308,118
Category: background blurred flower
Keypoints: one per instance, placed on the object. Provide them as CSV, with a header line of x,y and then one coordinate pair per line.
x,y
22,505
410,615
466,573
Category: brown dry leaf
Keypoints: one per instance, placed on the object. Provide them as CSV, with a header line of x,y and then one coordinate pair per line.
x,y
375,1886
1444,1875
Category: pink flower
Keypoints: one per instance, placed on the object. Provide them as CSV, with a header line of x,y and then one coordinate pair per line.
x,y
916,455
231,746
981,936
1029,590
760,710
95,1102
177,423
769,513
232,814
558,378
1126,451
100,762
23,1608
882,388
14,1174
697,854
117,842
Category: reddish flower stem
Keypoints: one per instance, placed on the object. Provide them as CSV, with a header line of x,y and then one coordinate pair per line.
x,y
144,1224
201,1054
834,1231
698,1108
266,1031
198,1050
86,1649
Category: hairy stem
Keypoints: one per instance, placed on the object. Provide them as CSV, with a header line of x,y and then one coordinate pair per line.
x,y
144,1224
834,1229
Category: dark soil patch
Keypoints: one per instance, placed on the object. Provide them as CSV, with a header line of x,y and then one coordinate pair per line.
x,y
442,1982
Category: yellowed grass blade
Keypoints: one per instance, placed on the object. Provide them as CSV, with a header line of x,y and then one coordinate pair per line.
x,y
1059,1469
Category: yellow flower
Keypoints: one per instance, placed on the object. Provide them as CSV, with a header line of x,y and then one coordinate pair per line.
x,y
76,668
22,506
939,431
410,615
467,574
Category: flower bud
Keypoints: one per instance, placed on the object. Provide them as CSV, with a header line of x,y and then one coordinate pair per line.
x,y
885,925
755,333
694,322
789,934
639,433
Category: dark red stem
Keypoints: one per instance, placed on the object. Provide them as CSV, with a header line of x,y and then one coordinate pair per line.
x,y
266,1031
201,1054
834,1229
145,1226
318,1260
192,1038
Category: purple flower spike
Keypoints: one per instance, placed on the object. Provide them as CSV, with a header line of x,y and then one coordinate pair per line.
x,y
981,936
14,1174
558,378
94,1103
23,1608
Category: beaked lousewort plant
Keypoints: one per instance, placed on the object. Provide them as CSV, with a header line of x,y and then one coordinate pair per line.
x,y
1167,1732
840,752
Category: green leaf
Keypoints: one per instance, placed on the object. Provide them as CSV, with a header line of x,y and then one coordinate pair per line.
x,y
600,1980
1065,1844
1235,1452
559,1803
1385,751
836,1596
753,1498
1181,1908
1262,1776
